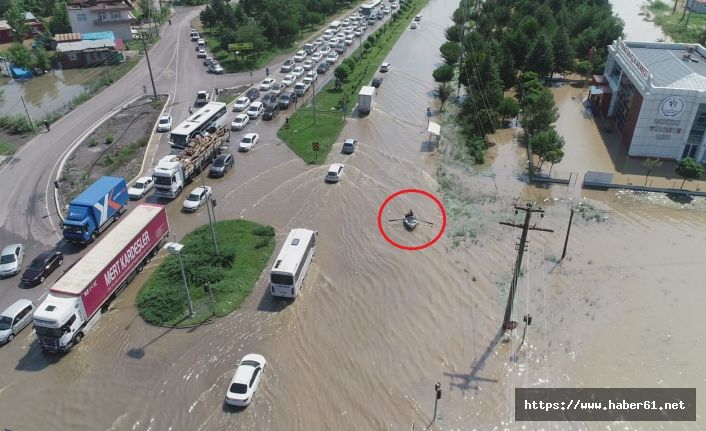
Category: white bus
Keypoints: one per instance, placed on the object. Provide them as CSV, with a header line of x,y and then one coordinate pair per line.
x,y
335,26
292,263
199,123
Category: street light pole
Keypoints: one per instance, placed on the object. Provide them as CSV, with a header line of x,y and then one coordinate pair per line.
x,y
175,248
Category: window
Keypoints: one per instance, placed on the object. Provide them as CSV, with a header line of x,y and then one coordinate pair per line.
x,y
115,15
102,16
81,17
254,377
72,56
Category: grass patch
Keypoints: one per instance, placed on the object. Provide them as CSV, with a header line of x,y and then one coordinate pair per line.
x,y
673,24
6,149
17,124
245,248
302,132
588,212
113,161
226,97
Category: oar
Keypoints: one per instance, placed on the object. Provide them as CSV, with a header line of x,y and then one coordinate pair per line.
x,y
427,222
396,219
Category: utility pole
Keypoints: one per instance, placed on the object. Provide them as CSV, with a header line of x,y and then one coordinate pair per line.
x,y
568,230
437,390
211,222
507,323
27,112
149,67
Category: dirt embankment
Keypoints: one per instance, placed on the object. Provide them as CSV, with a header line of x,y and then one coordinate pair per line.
x,y
115,148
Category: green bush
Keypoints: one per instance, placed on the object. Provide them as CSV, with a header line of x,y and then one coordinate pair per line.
x,y
16,124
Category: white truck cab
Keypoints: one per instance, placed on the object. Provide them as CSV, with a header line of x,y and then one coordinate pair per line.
x,y
168,177
59,323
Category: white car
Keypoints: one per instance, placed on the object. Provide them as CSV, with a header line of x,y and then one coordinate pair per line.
x,y
348,30
246,380
196,198
140,187
335,172
316,57
11,259
165,123
298,71
239,122
346,22
414,25
310,76
288,80
201,53
308,64
267,83
255,110
333,42
359,32
393,5
248,142
331,58
325,49
241,104
348,40
385,67
300,56
386,10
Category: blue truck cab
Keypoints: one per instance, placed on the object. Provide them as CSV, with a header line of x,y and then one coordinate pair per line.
x,y
91,212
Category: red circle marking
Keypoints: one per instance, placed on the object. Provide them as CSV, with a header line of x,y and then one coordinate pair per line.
x,y
421,192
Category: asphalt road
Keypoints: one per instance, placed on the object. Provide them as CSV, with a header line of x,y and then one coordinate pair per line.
x,y
29,214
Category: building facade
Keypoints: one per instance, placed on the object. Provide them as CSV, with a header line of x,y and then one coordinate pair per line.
x,y
92,16
656,97
88,53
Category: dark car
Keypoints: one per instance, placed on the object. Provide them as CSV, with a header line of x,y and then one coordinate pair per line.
x,y
322,68
340,48
252,94
268,98
42,266
278,89
286,100
271,111
349,146
376,82
221,165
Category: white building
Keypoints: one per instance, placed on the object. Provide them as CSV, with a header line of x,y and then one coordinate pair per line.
x,y
657,98
95,16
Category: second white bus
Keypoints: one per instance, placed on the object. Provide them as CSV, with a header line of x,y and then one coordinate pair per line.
x,y
292,263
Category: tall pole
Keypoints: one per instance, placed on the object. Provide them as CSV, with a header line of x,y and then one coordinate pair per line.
x,y
437,397
568,230
149,67
507,323
210,222
186,286
27,112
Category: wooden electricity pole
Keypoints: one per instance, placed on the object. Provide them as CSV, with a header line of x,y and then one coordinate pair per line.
x,y
507,323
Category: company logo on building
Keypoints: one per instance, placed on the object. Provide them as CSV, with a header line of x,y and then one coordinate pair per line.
x,y
672,107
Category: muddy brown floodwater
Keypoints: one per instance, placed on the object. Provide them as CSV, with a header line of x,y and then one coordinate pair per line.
x,y
376,327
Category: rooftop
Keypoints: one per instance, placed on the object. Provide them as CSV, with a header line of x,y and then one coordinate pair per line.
x,y
83,45
673,65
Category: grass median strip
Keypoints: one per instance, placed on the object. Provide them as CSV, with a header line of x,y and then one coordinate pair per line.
x,y
245,248
301,131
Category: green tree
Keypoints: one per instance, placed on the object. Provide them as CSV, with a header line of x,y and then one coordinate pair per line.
x,y
583,68
60,18
443,73
450,51
252,32
4,6
453,33
20,56
507,71
542,113
547,144
508,107
541,57
15,17
689,169
650,164
563,52
208,17
554,156
443,92
341,72
41,59
314,18
146,10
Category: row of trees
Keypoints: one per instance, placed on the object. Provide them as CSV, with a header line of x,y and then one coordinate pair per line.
x,y
265,23
490,46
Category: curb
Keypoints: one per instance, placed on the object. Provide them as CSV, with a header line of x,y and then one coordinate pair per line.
x,y
152,139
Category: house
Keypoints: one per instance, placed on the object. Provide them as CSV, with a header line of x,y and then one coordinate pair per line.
x,y
696,6
34,27
94,16
89,53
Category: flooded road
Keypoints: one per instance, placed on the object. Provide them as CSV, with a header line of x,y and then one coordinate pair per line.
x,y
637,27
375,327
47,93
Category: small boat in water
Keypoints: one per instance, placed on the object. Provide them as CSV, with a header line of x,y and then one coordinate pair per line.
x,y
410,221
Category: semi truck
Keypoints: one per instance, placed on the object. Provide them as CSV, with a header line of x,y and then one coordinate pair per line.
x,y
365,99
91,212
81,295
174,171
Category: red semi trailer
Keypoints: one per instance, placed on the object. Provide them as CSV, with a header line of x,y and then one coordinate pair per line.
x,y
75,301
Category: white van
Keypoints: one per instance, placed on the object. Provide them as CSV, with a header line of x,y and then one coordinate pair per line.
x,y
335,26
14,319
